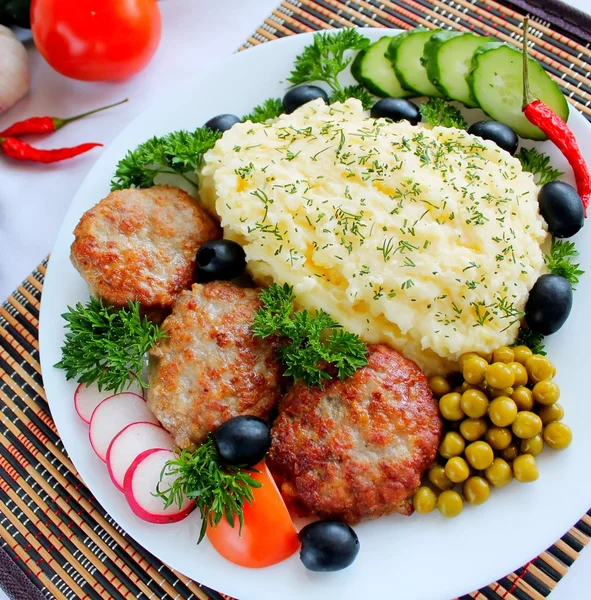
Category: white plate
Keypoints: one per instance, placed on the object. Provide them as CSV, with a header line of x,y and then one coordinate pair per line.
x,y
416,558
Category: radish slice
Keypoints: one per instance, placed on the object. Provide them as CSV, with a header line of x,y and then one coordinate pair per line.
x,y
140,484
88,397
114,414
130,443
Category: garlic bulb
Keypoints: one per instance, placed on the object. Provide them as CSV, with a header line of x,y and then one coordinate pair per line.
x,y
14,69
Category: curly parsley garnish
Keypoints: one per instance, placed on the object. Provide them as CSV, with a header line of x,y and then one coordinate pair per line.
x,y
269,109
353,91
534,341
107,346
325,59
560,261
179,152
439,112
538,163
219,490
307,349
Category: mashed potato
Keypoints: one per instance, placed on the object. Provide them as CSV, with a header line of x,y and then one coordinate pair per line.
x,y
425,239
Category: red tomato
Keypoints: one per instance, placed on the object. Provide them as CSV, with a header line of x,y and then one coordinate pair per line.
x,y
96,40
268,535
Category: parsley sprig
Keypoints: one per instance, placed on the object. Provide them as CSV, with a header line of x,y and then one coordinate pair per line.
x,y
538,163
325,58
269,109
534,341
353,91
307,348
107,346
219,490
438,112
180,152
560,261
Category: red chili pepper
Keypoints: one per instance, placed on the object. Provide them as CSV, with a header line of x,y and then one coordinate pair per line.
x,y
48,124
556,129
19,150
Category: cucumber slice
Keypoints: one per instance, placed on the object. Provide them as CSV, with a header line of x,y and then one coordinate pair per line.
x,y
405,52
373,70
496,82
447,59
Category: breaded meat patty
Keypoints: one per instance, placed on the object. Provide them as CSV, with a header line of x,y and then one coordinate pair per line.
x,y
140,244
356,449
210,367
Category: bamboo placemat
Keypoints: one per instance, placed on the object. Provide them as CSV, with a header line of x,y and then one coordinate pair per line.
x,y
64,545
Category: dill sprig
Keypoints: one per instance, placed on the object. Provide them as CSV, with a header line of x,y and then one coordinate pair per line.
x,y
324,59
307,347
219,490
438,112
269,109
353,91
560,261
180,152
538,163
107,346
534,341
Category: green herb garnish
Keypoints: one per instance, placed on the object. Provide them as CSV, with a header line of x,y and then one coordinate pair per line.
x,y
560,261
107,346
307,349
538,163
438,112
325,59
353,91
219,490
179,152
269,109
534,341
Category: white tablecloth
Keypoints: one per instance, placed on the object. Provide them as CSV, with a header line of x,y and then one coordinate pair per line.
x,y
33,200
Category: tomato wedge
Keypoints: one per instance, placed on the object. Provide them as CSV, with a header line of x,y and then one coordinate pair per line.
x,y
268,535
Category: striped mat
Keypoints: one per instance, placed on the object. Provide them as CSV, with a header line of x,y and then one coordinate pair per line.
x,y
55,539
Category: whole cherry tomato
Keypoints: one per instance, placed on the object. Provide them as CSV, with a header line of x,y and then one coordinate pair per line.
x,y
96,40
268,535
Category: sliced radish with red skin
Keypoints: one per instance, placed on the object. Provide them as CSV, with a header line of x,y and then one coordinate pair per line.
x,y
114,414
130,443
140,484
88,397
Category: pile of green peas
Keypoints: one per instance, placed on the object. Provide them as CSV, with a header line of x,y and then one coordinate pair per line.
x,y
495,423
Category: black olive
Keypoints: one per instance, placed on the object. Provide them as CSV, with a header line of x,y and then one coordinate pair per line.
x,y
499,133
328,546
549,304
396,109
220,259
242,440
298,96
562,208
222,122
